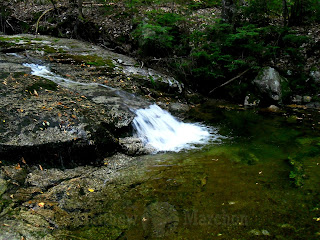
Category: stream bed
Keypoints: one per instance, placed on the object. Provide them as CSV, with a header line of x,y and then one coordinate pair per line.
x,y
247,185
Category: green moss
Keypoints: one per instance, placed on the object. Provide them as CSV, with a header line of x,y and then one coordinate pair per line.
x,y
297,172
234,153
90,60
49,49
44,84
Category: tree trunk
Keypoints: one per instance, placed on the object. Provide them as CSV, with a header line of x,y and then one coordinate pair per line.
x,y
297,12
285,12
80,2
228,11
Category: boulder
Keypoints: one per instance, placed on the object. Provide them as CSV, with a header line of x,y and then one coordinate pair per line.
x,y
315,75
269,84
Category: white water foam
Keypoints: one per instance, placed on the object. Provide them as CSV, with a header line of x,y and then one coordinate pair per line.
x,y
161,130
43,71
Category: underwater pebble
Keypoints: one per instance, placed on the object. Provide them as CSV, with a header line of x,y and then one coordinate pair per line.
x,y
255,232
286,225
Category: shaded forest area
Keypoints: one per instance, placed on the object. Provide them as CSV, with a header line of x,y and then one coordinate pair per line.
x,y
206,44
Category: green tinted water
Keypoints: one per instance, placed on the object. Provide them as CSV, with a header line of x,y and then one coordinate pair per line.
x,y
262,182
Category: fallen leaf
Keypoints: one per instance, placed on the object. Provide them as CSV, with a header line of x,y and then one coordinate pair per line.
x,y
23,160
90,190
18,166
41,204
35,93
41,168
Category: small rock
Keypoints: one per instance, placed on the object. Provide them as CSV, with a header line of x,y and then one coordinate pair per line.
x,y
315,76
134,146
250,101
297,99
313,105
273,108
306,99
178,107
287,226
255,232
3,186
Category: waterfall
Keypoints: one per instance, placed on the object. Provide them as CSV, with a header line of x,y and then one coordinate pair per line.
x,y
153,125
161,130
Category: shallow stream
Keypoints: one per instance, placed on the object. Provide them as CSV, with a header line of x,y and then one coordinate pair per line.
x,y
258,178
261,181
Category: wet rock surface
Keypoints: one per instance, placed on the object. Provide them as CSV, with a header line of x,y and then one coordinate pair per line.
x,y
134,146
76,112
60,134
53,203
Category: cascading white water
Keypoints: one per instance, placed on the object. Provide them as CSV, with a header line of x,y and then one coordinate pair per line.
x,y
153,125
43,71
161,130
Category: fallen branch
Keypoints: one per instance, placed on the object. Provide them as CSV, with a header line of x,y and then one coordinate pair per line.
x,y
229,81
9,25
44,13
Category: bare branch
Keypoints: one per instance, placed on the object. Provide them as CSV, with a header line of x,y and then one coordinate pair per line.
x,y
229,81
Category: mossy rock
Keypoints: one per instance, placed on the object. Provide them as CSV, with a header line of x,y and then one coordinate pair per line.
x,y
42,84
89,60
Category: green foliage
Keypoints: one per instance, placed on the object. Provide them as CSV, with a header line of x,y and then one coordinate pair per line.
x,y
261,12
160,35
221,51
292,46
206,57
294,12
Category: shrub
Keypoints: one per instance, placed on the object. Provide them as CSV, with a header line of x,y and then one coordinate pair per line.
x,y
160,34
